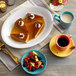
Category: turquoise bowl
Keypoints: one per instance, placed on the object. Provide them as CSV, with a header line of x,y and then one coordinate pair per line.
x,y
38,71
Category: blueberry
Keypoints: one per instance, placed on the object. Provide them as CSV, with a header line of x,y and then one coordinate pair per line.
x,y
24,64
32,59
32,69
39,58
42,62
33,56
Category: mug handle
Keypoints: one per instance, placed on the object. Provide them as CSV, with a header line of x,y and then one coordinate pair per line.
x,y
69,36
72,47
57,18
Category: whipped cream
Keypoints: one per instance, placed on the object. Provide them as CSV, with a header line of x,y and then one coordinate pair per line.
x,y
21,35
32,16
21,23
37,25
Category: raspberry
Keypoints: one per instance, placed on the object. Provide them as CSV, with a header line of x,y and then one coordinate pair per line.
x,y
26,61
36,67
41,66
27,66
26,57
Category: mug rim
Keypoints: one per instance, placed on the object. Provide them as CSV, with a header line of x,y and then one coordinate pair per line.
x,y
69,14
62,36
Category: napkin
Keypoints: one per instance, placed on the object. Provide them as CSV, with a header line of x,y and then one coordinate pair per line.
x,y
19,52
8,62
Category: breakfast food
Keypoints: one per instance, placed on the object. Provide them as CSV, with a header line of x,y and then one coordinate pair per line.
x,y
37,27
22,37
32,17
31,26
33,61
20,23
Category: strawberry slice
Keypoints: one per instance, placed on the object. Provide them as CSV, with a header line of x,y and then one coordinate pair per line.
x,y
31,54
55,2
30,67
26,57
27,63
37,63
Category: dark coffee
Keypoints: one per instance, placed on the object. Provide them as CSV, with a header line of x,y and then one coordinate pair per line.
x,y
63,41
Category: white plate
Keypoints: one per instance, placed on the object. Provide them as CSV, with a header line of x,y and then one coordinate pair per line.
x,y
8,25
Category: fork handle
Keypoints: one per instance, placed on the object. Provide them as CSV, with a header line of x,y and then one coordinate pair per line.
x,y
12,56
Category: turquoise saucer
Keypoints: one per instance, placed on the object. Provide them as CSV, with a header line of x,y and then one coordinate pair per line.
x,y
38,71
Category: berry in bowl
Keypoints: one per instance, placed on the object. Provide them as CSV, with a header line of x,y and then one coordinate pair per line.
x,y
57,5
33,62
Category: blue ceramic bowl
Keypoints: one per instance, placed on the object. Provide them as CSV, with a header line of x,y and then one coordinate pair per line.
x,y
38,71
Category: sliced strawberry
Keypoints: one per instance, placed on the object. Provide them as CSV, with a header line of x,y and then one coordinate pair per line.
x,y
30,67
26,57
26,61
36,67
31,54
29,61
37,63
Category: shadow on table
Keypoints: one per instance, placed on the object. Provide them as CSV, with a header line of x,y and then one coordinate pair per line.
x,y
54,60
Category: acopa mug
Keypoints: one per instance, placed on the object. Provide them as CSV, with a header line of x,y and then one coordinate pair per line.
x,y
63,41
66,19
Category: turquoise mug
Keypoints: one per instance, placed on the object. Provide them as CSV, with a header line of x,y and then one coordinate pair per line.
x,y
63,24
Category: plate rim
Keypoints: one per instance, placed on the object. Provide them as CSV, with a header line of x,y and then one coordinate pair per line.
x,y
37,41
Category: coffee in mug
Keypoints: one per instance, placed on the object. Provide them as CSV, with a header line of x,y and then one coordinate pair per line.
x,y
66,18
63,41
